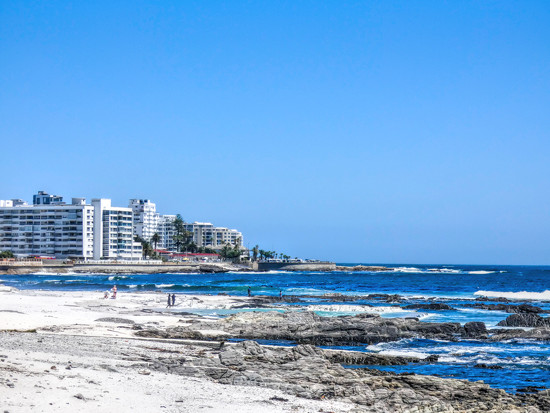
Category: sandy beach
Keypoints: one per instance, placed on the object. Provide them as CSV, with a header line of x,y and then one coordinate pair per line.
x,y
55,356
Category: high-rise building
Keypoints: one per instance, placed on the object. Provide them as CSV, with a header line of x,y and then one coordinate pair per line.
x,y
113,232
50,227
47,228
146,218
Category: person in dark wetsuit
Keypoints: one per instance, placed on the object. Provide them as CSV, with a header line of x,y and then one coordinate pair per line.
x,y
169,301
249,292
173,300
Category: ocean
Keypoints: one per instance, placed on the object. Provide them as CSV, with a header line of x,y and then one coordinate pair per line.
x,y
515,364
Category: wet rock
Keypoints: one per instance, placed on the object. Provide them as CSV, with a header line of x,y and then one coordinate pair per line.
x,y
430,306
488,366
475,329
509,308
310,372
525,320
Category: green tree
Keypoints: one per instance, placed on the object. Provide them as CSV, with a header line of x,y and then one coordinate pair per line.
x,y
6,254
182,236
230,252
192,247
155,239
147,250
255,252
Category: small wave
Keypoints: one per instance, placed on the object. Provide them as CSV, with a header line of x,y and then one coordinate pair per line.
x,y
164,285
445,270
353,309
520,295
480,272
407,269
404,353
117,277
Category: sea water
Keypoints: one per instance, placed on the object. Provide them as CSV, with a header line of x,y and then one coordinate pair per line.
x,y
516,363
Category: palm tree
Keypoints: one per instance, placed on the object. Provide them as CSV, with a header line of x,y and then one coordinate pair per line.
x,y
255,252
156,239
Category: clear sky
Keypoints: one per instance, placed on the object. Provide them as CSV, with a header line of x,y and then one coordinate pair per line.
x,y
356,131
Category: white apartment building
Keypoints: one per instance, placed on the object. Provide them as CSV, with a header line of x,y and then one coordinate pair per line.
x,y
49,227
146,219
207,235
167,232
114,235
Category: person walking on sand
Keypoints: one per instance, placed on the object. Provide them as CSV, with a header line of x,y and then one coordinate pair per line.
x,y
169,301
173,300
114,291
249,292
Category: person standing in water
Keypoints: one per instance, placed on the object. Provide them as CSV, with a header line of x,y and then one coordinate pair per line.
x,y
169,301
173,300
114,291
249,292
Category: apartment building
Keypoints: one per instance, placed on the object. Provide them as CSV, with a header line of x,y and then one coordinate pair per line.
x,y
49,227
207,235
146,220
114,234
167,232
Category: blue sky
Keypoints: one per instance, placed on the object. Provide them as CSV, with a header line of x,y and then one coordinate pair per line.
x,y
395,131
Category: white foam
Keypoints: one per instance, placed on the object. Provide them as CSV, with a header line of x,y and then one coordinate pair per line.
x,y
117,277
164,285
520,295
346,308
480,272
407,269
404,353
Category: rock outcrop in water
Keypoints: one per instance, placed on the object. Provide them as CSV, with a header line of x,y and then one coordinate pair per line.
x,y
309,328
430,306
313,373
509,308
525,320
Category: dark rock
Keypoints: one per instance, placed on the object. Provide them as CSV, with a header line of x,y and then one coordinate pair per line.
x,y
488,366
530,389
432,358
509,308
431,306
525,320
475,329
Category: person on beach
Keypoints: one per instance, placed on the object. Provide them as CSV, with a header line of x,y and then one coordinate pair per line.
x,y
249,292
280,294
173,300
169,300
106,294
114,291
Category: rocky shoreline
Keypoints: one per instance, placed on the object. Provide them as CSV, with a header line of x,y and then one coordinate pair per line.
x,y
93,343
173,268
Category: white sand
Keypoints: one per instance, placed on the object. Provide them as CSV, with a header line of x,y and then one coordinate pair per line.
x,y
74,363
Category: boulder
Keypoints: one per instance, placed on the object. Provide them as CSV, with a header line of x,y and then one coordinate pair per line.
x,y
525,320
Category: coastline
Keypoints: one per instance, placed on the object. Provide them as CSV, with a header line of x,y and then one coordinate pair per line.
x,y
82,351
16,268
